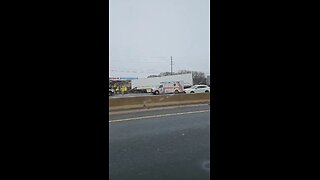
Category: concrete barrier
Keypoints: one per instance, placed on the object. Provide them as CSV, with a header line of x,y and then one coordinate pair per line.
x,y
157,101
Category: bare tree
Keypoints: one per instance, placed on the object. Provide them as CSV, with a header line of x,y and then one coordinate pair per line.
x,y
165,74
198,77
184,72
153,76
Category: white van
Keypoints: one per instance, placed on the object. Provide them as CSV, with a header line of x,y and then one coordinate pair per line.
x,y
168,87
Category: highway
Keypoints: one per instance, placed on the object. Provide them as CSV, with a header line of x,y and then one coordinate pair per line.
x,y
157,144
135,95
130,95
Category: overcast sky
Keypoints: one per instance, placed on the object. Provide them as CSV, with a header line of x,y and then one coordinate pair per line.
x,y
145,33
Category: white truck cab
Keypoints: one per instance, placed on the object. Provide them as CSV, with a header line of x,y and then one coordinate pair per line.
x,y
168,87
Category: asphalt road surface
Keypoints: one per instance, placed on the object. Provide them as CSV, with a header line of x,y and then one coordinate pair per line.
x,y
160,144
135,95
130,95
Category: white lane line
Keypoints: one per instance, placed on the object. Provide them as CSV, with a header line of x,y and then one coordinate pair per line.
x,y
159,115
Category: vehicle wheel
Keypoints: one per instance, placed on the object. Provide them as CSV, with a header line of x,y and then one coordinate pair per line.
x,y
176,91
156,93
191,92
206,91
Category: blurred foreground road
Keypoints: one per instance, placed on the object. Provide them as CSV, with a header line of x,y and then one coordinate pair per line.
x,y
162,144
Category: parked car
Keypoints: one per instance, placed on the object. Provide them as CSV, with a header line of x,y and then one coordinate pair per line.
x,y
111,91
197,89
136,90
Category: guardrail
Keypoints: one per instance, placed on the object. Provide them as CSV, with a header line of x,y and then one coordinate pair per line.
x,y
157,101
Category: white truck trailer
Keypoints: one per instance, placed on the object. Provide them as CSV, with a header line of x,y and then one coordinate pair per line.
x,y
149,83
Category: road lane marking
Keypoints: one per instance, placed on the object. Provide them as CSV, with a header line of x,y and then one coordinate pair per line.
x,y
159,115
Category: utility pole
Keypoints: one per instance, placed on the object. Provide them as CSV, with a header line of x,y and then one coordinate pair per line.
x,y
171,65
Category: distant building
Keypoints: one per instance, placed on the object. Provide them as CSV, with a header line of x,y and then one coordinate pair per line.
x,y
121,81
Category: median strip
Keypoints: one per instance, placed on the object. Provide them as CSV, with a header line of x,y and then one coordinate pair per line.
x,y
160,115
145,102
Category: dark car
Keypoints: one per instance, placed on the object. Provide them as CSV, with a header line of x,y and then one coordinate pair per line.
x,y
111,92
136,90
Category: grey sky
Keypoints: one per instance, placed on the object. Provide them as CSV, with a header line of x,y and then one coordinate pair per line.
x,y
145,33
